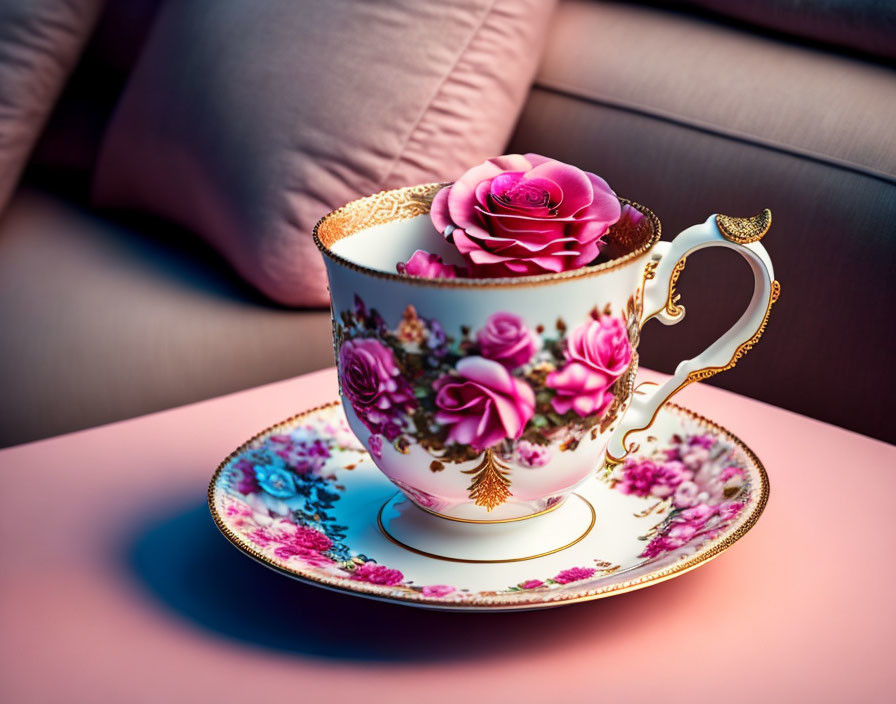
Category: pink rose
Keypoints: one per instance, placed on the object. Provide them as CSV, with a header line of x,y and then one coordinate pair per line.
x,y
598,353
438,590
532,584
506,339
516,215
483,404
373,384
429,266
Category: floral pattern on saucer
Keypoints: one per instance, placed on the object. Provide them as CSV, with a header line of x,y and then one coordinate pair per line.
x,y
278,499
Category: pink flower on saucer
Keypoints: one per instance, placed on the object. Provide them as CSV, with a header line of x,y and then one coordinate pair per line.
x,y
287,540
438,590
574,574
429,266
483,404
730,509
643,476
506,339
517,215
531,584
598,353
373,573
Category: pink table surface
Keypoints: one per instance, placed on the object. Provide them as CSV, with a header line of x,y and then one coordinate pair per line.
x,y
115,586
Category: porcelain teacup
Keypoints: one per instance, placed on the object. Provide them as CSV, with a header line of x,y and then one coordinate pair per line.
x,y
491,400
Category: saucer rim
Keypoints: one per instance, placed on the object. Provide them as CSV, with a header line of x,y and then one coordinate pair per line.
x,y
704,555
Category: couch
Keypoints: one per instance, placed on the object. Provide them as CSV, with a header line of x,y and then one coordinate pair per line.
x,y
108,315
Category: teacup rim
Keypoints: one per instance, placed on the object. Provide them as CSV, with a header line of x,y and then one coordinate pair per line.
x,y
417,200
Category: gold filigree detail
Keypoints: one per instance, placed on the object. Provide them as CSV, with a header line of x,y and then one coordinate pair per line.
x,y
490,485
672,307
378,209
650,269
611,462
659,507
406,203
622,392
744,230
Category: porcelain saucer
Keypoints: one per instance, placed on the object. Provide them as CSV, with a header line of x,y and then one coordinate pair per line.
x,y
304,498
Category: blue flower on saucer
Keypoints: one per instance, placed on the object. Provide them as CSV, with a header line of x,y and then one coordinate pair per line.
x,y
275,479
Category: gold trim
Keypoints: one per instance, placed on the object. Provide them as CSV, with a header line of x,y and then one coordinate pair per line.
x,y
396,541
504,602
744,230
611,461
672,297
406,203
497,520
672,308
491,484
707,372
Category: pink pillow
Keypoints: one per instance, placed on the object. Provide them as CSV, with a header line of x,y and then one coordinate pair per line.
x,y
40,42
246,122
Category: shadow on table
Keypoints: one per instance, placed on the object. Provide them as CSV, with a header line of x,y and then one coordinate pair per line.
x,y
193,570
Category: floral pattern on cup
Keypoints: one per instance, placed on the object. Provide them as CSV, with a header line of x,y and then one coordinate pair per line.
x,y
507,387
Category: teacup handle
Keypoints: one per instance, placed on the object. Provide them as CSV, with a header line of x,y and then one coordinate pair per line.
x,y
661,301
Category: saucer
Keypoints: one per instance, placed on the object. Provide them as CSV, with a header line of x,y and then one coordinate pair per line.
x,y
305,499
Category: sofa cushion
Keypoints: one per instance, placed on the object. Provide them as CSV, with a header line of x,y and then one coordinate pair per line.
x,y
65,155
40,41
104,321
691,117
716,78
868,26
247,122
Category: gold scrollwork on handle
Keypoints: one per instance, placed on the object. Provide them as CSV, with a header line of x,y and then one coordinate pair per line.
x,y
707,372
672,308
610,462
745,230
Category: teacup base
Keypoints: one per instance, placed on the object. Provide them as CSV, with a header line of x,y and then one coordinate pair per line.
x,y
419,531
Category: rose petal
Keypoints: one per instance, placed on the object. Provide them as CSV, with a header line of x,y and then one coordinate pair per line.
x,y
438,211
482,190
486,372
578,192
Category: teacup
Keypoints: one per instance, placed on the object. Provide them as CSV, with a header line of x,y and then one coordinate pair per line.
x,y
491,400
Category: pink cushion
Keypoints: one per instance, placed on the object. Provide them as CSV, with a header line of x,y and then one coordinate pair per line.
x,y
40,42
248,123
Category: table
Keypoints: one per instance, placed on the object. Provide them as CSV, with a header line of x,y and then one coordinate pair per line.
x,y
115,585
